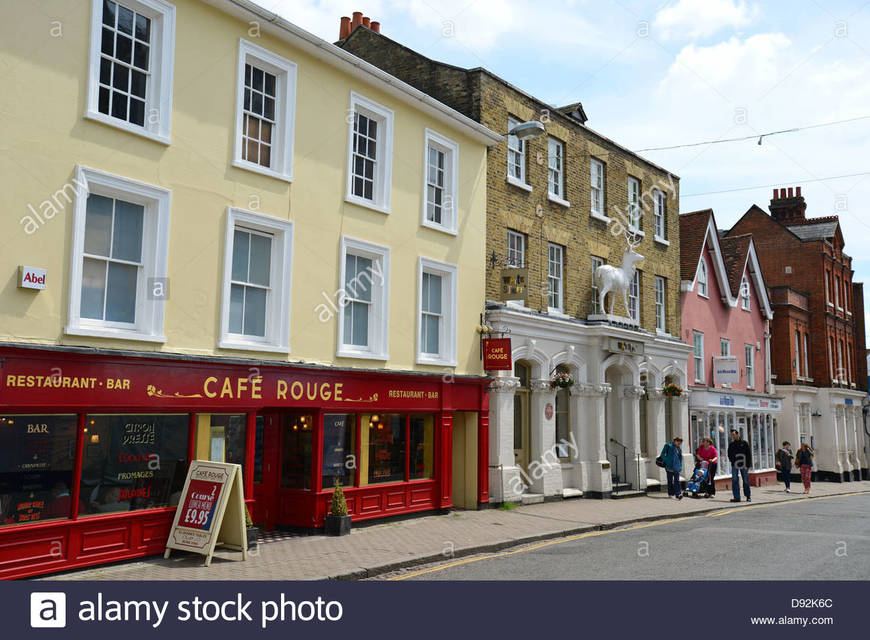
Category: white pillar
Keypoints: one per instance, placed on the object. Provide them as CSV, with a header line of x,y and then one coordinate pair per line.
x,y
505,480
631,404
593,452
680,414
578,422
545,471
655,417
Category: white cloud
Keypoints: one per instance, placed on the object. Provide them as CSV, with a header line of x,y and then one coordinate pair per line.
x,y
703,18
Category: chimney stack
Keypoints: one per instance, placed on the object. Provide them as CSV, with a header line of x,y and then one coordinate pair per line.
x,y
349,24
788,206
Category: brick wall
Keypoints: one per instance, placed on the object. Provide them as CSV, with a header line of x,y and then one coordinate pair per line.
x,y
491,101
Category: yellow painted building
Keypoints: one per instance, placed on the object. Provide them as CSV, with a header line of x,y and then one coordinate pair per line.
x,y
224,238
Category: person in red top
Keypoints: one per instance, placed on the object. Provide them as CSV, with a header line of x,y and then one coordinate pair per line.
x,y
707,453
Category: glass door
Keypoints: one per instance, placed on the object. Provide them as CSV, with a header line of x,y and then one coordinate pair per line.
x,y
266,469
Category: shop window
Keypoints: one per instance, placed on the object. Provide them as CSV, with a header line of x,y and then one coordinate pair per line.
x,y
339,447
37,454
221,438
297,452
133,462
422,446
385,436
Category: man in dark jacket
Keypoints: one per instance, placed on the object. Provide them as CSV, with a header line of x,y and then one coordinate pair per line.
x,y
740,455
672,456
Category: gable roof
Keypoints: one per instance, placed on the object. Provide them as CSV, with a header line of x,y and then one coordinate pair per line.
x,y
735,250
693,229
348,63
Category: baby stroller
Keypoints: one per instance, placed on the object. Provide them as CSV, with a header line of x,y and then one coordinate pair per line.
x,y
698,482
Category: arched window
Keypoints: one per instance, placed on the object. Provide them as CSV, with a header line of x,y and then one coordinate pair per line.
x,y
563,418
744,294
702,278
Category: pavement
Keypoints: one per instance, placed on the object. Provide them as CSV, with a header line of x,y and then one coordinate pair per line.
x,y
386,547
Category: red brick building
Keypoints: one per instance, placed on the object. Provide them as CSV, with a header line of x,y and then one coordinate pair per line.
x,y
817,332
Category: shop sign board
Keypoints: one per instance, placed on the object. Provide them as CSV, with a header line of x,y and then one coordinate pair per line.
x,y
630,347
497,354
513,283
211,511
725,370
31,278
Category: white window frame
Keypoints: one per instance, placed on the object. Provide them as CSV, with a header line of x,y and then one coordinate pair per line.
x,y
634,300
384,162
806,355
724,347
379,321
660,217
745,295
660,298
559,280
515,145
277,338
285,110
597,307
449,211
158,94
148,326
698,341
828,288
749,355
703,280
556,172
447,340
521,239
634,206
837,292
597,185
797,352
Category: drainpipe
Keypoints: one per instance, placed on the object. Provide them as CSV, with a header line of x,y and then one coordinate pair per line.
x,y
767,370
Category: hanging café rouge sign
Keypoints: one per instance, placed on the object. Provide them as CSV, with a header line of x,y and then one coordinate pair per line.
x,y
78,382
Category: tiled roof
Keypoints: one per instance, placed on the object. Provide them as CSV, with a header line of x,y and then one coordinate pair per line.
x,y
693,228
734,252
814,230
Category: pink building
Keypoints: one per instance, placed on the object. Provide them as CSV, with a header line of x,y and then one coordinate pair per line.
x,y
726,317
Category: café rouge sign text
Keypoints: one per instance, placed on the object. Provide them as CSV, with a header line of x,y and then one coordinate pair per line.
x,y
317,389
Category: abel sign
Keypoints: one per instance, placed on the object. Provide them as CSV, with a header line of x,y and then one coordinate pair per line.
x,y
31,278
211,511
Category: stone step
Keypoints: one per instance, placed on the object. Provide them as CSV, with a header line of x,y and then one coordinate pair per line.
x,y
571,493
627,494
531,498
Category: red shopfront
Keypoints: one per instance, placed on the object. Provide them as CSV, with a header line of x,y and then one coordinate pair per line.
x,y
94,447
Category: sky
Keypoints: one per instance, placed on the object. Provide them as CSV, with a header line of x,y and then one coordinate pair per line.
x,y
655,74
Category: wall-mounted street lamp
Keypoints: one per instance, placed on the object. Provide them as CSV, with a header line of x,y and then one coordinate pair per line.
x,y
528,130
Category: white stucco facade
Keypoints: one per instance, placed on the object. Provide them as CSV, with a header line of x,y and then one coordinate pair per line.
x,y
608,426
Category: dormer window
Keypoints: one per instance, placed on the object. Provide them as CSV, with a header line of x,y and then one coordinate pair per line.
x,y
702,278
745,298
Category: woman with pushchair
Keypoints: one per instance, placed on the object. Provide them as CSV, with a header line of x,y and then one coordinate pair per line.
x,y
707,453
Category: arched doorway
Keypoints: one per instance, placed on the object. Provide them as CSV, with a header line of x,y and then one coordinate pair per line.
x,y
522,416
619,424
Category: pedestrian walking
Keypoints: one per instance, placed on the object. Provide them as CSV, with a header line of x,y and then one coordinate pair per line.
x,y
784,458
707,453
740,456
672,456
804,460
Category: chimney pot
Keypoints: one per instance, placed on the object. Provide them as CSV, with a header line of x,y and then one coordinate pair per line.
x,y
344,30
776,194
357,20
798,192
376,26
790,192
367,22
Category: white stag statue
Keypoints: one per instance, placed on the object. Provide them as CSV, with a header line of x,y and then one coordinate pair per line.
x,y
613,280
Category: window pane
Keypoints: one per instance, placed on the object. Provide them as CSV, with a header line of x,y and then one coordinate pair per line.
x,y
98,225
431,326
386,450
237,305
360,313
125,20
93,288
296,454
422,446
121,292
127,235
339,447
433,300
37,453
133,462
241,240
255,312
226,439
261,254
109,9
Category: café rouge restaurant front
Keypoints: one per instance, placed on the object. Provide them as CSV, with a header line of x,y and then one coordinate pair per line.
x,y
94,447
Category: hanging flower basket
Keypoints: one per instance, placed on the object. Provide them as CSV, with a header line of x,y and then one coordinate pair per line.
x,y
672,390
562,380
